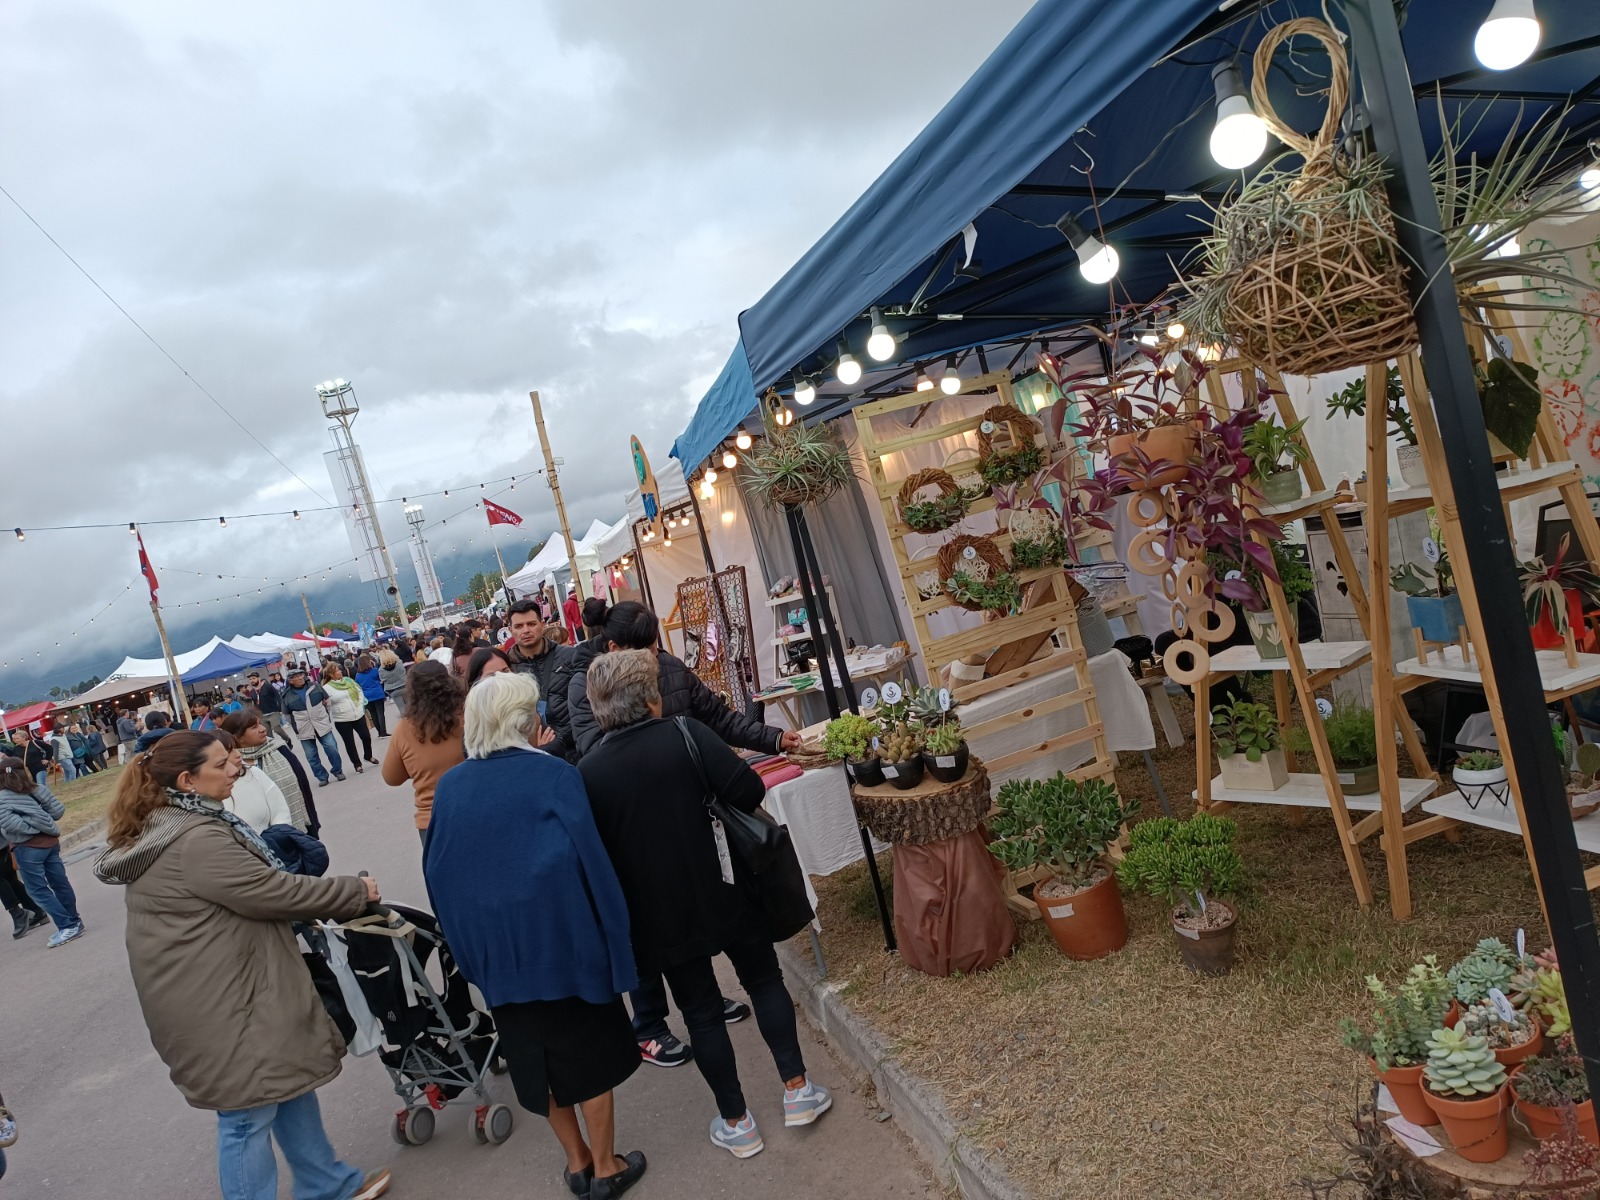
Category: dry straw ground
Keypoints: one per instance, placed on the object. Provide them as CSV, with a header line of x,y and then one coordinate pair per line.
x,y
1130,1077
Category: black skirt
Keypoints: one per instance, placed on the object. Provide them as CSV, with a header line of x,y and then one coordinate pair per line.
x,y
569,1049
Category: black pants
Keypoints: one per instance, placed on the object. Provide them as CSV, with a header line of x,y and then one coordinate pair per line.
x,y
349,731
694,987
13,895
380,716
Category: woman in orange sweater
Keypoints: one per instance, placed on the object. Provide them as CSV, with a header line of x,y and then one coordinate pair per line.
x,y
427,740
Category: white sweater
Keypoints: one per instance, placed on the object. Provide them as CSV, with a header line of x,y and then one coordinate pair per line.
x,y
257,801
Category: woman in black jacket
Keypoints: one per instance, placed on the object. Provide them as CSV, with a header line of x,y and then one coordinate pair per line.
x,y
689,899
632,626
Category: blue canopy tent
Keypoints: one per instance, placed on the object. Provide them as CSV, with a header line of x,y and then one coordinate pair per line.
x,y
1081,111
223,661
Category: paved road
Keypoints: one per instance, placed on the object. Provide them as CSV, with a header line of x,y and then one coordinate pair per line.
x,y
101,1121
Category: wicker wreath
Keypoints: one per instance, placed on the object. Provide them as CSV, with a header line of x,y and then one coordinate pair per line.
x,y
1022,460
951,504
985,563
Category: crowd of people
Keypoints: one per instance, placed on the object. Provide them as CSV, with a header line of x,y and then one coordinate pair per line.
x,y
573,898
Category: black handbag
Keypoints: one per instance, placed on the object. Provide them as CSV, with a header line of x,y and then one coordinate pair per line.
x,y
757,839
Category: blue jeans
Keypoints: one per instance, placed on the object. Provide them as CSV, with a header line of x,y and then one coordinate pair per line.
x,y
69,770
249,1171
45,877
331,745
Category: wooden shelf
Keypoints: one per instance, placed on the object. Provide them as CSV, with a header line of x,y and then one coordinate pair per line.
x,y
1514,485
1302,507
785,639
794,598
1308,791
1319,656
1558,678
1491,814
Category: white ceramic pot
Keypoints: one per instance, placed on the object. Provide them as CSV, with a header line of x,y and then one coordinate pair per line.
x,y
1477,786
1239,774
1411,469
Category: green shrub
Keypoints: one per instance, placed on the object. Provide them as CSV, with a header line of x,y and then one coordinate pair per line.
x,y
1061,824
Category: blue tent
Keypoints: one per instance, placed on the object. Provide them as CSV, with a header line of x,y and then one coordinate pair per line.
x,y
1083,110
223,661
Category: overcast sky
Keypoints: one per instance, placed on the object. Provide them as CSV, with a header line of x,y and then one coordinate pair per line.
x,y
448,205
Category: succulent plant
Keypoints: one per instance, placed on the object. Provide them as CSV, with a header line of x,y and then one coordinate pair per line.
x,y
924,704
1461,1064
1555,1077
1481,760
1549,1000
1526,978
1490,965
848,737
1485,1021
1059,823
900,743
1587,759
945,738
1404,1017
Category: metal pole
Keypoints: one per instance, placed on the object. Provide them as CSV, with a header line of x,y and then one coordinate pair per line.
x,y
504,586
372,512
1510,666
638,561
830,626
555,490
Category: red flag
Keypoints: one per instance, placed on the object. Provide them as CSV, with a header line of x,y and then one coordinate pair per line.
x,y
499,514
146,569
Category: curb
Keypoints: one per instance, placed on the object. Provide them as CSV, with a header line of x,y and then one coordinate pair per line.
x,y
91,832
911,1101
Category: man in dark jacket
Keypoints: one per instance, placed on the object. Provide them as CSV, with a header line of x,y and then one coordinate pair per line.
x,y
127,734
533,653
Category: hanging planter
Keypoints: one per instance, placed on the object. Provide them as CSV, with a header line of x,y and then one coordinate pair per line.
x,y
794,463
938,513
1170,449
1018,457
1301,269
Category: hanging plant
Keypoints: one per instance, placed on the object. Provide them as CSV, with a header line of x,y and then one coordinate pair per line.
x,y
794,463
973,572
997,466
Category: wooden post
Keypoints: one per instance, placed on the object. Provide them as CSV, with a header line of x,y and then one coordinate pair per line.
x,y
311,626
555,490
179,700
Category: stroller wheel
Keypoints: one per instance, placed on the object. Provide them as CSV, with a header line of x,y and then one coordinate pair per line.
x,y
497,1123
418,1125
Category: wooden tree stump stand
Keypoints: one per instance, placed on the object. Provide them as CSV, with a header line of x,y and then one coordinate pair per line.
x,y
1458,1179
930,812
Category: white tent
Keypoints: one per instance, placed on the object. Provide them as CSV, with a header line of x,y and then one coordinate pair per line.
x,y
551,560
615,542
136,668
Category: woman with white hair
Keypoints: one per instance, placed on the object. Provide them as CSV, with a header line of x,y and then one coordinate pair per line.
x,y
536,919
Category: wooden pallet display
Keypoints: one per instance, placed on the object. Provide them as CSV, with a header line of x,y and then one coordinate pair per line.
x,y
1051,612
1549,469
1306,669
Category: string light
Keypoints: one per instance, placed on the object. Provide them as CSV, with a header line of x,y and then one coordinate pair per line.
x,y
880,345
1097,262
133,530
711,474
1508,36
805,389
951,383
297,514
1175,329
730,460
223,521
743,440
924,384
1239,136
20,538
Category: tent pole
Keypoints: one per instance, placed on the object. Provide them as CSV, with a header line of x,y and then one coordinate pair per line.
x,y
830,626
179,700
504,586
644,576
700,526
1512,673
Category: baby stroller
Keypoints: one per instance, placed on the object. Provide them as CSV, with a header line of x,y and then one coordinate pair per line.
x,y
435,1046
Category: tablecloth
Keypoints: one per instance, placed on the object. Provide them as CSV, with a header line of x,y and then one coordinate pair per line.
x,y
949,914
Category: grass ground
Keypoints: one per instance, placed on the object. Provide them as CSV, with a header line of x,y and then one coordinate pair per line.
x,y
1131,1077
86,797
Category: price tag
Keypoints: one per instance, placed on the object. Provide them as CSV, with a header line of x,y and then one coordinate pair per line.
x,y
1430,549
1324,707
970,553
1502,1005
1522,943
987,427
875,744
1503,341
869,698
1234,575
891,693
944,699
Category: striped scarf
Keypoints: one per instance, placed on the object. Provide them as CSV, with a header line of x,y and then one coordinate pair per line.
x,y
205,806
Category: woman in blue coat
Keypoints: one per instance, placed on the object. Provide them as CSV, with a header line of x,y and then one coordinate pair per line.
x,y
526,893
369,680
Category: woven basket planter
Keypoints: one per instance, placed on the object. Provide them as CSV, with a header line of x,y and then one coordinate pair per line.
x,y
1012,462
954,497
985,562
930,812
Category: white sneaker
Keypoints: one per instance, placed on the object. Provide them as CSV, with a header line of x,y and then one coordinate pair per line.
x,y
742,1140
805,1104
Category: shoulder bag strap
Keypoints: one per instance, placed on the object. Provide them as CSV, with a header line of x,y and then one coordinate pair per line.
x,y
706,789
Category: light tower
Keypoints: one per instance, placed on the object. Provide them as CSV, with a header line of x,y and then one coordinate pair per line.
x,y
427,580
349,475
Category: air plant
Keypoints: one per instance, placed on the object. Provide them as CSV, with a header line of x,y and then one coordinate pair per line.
x,y
795,463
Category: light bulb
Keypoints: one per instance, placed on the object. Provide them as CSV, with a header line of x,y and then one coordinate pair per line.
x,y
1508,36
223,521
20,538
783,417
1149,338
881,344
1239,136
132,530
730,460
1509,248
743,440
1175,330
666,541
711,475
1210,352
727,517
1097,262
297,514
848,370
1590,179
951,383
672,522
924,384
707,490
805,390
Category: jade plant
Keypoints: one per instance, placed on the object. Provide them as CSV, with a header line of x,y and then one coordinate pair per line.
x,y
1064,825
1244,727
849,737
1485,1020
1403,1018
1554,1078
1490,965
1461,1065
1189,863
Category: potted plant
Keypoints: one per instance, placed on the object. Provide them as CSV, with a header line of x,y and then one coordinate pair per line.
x,y
944,742
1297,582
1353,741
1466,1087
1554,595
1066,827
1191,864
1491,964
1249,748
1275,454
1352,402
1511,399
900,754
849,739
1478,774
1138,413
1550,1082
1583,782
1511,1033
1431,602
795,463
1395,1040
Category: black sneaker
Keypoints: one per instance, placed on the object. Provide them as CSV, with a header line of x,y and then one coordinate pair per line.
x,y
665,1051
20,923
613,1186
339,775
734,1011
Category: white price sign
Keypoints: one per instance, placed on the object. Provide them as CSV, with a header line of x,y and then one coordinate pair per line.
x,y
1430,549
869,698
1324,707
944,699
891,693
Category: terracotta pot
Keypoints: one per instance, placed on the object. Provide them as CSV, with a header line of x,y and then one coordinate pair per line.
x,y
1207,951
1171,443
1477,1128
1088,924
1512,1055
868,772
1282,487
1544,632
947,768
904,775
1405,1085
1452,1017
1545,1122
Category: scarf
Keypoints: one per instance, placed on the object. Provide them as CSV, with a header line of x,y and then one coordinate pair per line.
x,y
253,755
205,806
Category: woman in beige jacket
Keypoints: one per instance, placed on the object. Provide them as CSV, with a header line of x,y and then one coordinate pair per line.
x,y
225,993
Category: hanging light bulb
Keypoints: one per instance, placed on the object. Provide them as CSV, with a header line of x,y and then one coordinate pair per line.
x,y
20,538
805,389
730,460
1589,181
447,491
707,490
848,369
743,440
1210,352
783,417
924,384
1097,262
133,530
881,344
223,521
667,541
1175,329
1149,336
1239,136
951,383
727,516
297,514
1508,36
711,474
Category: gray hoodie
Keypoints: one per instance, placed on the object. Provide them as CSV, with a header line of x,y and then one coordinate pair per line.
x,y
24,815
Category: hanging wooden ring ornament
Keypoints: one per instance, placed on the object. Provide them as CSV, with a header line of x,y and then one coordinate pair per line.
x,y
1169,586
1192,584
1201,627
1179,620
1190,675
1136,515
1143,557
